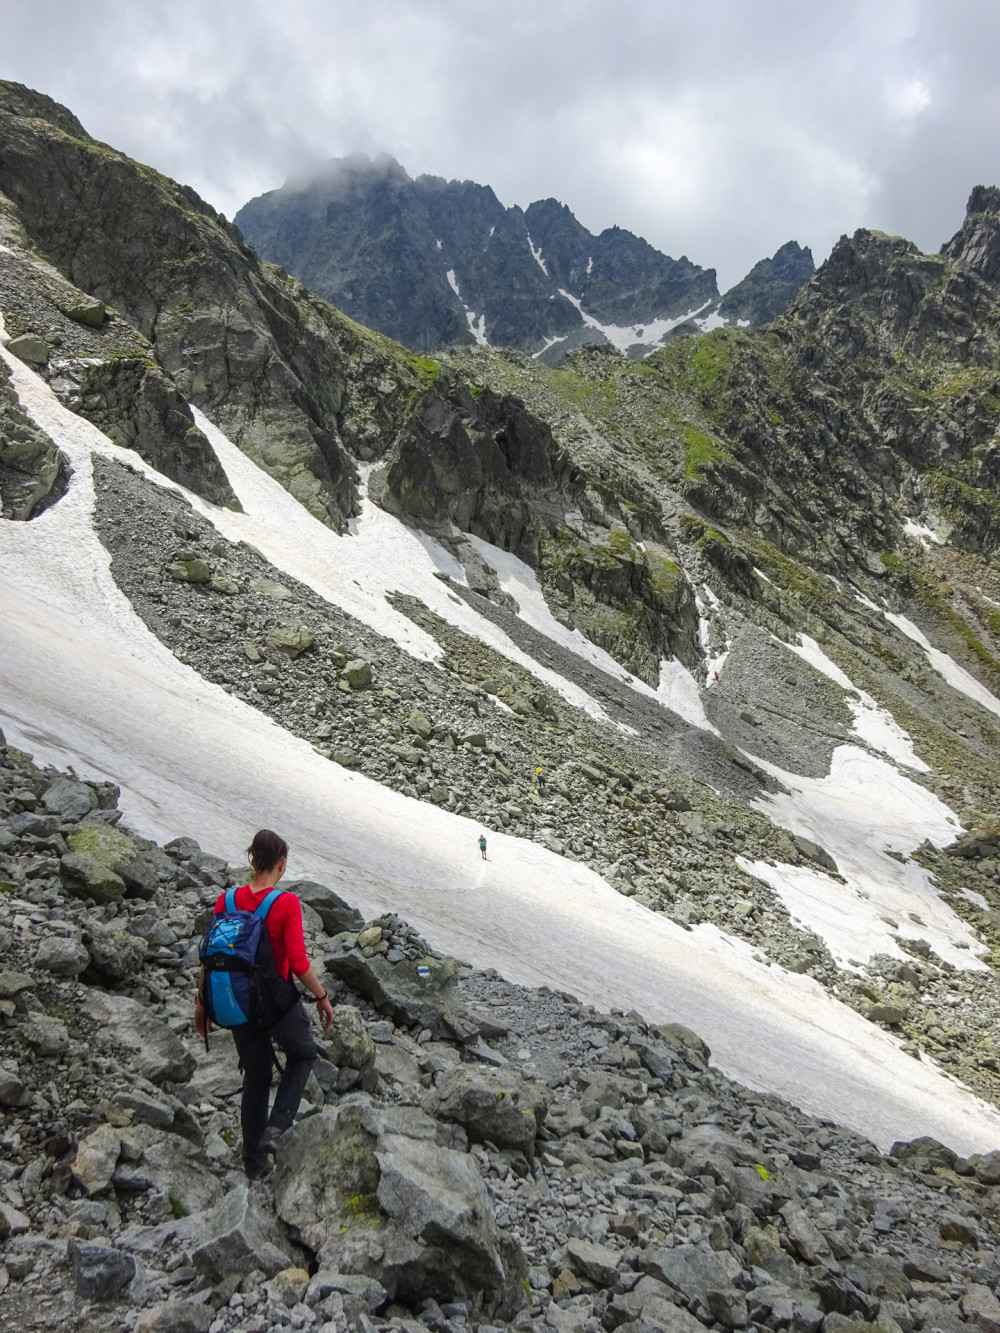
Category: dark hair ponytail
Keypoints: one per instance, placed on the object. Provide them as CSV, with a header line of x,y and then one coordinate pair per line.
x,y
266,850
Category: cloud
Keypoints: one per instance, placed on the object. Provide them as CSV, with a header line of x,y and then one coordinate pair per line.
x,y
718,130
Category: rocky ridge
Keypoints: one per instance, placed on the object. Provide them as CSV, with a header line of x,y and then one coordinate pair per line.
x,y
468,1152
435,263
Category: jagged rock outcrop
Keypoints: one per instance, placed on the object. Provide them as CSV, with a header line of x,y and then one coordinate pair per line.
x,y
436,263
277,369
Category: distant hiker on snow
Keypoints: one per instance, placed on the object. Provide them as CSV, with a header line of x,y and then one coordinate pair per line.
x,y
249,955
482,845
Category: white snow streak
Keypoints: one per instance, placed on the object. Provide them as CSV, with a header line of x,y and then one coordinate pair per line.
x,y
537,256
955,675
623,337
677,689
477,323
590,265
872,723
83,681
924,535
549,342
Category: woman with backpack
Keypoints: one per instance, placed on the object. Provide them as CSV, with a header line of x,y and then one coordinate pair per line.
x,y
254,995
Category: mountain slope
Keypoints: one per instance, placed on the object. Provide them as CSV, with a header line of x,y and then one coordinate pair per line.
x,y
435,263
685,589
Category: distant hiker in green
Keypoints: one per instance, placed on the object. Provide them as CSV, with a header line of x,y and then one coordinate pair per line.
x,y
482,845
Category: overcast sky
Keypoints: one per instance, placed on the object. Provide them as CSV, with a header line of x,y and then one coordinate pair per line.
x,y
718,129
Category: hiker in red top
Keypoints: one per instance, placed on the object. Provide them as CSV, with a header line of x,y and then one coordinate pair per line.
x,y
269,856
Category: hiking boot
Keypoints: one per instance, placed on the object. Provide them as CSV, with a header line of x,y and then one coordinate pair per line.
x,y
269,1143
258,1170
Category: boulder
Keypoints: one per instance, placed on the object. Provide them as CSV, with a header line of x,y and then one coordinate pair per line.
x,y
694,1050
336,915
419,724
981,1308
96,1158
69,799
437,1197
46,1035
127,1028
189,568
84,876
397,990
85,310
30,349
598,1262
238,1238
370,1189
812,851
115,955
176,1317
62,955
357,673
350,1047
100,1273
491,1105
291,640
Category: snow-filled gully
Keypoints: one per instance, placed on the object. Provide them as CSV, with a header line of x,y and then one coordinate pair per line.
x,y
83,682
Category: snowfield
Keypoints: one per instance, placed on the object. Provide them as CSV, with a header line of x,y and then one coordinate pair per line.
x,y
83,682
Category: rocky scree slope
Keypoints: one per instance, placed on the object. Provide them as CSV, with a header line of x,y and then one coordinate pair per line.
x,y
660,811
434,263
468,1152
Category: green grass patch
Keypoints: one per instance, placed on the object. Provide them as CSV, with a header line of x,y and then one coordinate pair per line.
x,y
700,450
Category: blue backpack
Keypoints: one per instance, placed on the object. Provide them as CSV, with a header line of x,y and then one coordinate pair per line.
x,y
242,987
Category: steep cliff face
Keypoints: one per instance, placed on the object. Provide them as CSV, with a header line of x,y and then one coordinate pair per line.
x,y
437,263
236,338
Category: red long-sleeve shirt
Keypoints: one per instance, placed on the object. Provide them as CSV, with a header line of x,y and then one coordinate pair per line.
x,y
284,925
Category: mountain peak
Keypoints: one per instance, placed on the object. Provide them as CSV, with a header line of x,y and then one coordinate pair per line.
x,y
343,176
976,244
17,100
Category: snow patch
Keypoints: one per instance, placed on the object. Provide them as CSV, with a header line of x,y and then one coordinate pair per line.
x,y
864,809
477,323
549,342
977,899
711,321
677,689
872,722
625,336
955,675
537,256
438,244
590,265
924,535
83,681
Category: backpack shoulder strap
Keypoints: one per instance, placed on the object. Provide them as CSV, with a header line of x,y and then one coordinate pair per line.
x,y
265,905
230,900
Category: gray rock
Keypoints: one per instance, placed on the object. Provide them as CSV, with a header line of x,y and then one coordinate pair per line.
x,y
350,1046
397,990
176,1317
127,1028
189,568
84,876
598,1262
61,955
30,349
812,851
337,916
115,955
100,1273
46,1035
96,1158
69,799
491,1105
12,1221
437,1196
291,640
357,673
239,1237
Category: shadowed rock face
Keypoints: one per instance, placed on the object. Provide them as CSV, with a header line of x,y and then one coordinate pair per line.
x,y
256,354
33,473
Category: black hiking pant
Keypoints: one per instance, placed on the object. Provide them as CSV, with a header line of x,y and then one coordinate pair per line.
x,y
256,1051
